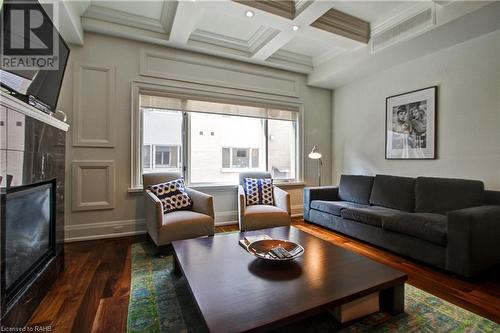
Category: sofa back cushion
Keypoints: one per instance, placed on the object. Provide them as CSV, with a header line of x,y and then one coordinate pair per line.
x,y
394,192
355,188
441,195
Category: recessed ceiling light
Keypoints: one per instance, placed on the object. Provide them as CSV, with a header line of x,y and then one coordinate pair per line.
x,y
249,13
295,27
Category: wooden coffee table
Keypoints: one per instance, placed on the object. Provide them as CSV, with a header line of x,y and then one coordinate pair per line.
x,y
236,292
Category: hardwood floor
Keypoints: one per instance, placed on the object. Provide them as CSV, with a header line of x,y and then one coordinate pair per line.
x,y
92,293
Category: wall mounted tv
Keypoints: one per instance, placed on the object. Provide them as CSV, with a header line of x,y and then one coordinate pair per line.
x,y
31,45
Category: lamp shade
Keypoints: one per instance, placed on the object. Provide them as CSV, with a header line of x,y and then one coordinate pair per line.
x,y
314,154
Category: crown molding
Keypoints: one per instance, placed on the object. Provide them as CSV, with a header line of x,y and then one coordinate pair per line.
x,y
292,57
401,16
261,37
332,53
168,15
100,13
208,37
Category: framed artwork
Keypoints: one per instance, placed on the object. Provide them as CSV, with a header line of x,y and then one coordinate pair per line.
x,y
410,125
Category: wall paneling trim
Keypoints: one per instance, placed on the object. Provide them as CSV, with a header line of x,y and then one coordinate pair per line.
x,y
93,184
93,105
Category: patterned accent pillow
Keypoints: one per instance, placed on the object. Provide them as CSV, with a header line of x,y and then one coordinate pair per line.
x,y
172,195
258,191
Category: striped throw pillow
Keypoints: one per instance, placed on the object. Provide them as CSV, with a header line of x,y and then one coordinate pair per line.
x,y
258,191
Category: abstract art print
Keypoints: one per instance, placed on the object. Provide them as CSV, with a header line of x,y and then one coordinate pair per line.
x,y
411,125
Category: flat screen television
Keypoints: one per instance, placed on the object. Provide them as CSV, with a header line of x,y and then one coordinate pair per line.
x,y
39,86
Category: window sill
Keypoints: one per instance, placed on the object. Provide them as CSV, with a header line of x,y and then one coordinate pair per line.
x,y
135,190
290,184
223,187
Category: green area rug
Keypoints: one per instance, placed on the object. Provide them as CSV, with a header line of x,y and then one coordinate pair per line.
x,y
160,302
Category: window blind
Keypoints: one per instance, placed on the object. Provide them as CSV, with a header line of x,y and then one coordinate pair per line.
x,y
192,105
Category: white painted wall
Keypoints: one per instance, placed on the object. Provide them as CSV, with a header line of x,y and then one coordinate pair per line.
x,y
468,118
118,64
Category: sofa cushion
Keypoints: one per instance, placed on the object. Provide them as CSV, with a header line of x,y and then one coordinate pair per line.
x,y
425,226
184,224
441,195
334,207
369,215
355,188
264,216
394,192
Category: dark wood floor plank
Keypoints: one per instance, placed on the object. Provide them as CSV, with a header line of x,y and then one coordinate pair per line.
x,y
92,293
112,312
90,301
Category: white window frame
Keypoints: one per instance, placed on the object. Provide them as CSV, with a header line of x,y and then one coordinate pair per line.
x,y
193,91
169,165
150,157
236,169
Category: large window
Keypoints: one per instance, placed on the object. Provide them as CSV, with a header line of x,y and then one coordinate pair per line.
x,y
213,142
282,148
162,140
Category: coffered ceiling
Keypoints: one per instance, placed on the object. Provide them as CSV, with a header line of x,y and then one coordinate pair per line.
x,y
302,35
224,29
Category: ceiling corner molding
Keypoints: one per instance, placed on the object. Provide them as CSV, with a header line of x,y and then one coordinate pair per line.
x,y
282,56
262,36
345,25
168,15
184,22
300,5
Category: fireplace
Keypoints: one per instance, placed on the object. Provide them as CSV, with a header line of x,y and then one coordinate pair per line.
x,y
28,235
32,172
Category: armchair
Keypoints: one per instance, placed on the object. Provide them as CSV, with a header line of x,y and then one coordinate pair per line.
x,y
182,224
263,216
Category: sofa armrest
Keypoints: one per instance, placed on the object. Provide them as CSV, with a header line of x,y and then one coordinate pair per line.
x,y
473,235
242,205
154,214
202,202
491,197
318,193
282,199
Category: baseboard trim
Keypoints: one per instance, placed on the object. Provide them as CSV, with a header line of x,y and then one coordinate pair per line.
x,y
104,236
220,224
297,210
124,228
102,230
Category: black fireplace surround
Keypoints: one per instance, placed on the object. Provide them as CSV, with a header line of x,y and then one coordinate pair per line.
x,y
32,214
28,236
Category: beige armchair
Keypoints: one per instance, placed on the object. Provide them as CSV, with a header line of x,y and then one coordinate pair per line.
x,y
263,216
182,224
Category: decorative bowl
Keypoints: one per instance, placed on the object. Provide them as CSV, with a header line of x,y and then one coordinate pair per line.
x,y
261,249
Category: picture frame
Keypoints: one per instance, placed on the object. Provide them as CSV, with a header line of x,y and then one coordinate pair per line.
x,y
410,125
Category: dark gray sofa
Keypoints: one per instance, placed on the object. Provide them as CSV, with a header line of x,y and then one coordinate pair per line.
x,y
453,224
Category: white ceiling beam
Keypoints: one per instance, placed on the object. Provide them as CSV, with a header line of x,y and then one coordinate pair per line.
x,y
307,16
185,21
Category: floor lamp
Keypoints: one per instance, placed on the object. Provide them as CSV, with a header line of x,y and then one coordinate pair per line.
x,y
316,155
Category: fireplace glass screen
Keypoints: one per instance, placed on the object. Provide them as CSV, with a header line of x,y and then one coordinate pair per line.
x,y
27,231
